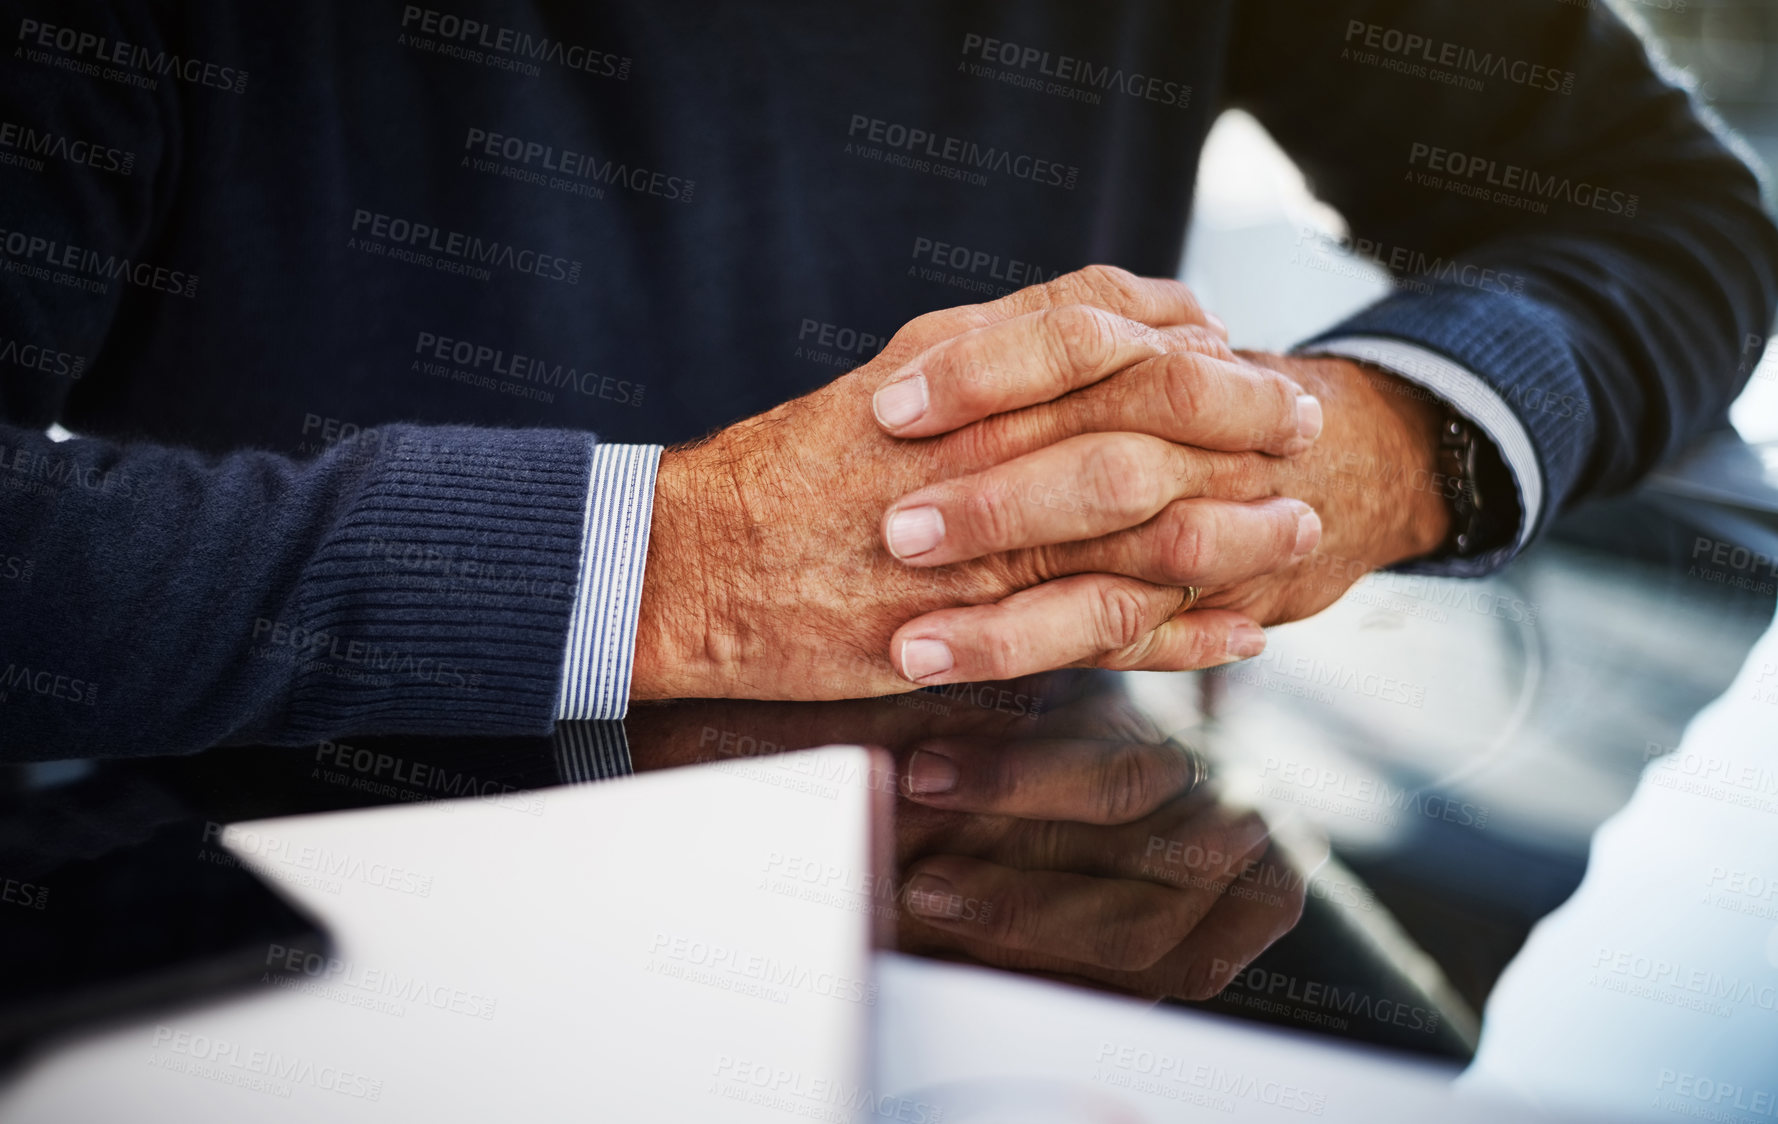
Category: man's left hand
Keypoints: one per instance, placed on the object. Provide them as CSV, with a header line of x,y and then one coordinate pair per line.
x,y
1373,477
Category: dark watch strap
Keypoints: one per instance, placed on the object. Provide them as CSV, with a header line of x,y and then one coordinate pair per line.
x,y
1458,463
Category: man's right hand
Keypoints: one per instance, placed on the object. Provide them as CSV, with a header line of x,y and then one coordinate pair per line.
x,y
767,572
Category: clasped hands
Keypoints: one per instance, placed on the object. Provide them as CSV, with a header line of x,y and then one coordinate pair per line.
x,y
1023,485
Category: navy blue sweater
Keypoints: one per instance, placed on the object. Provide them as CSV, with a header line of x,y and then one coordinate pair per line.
x,y
334,292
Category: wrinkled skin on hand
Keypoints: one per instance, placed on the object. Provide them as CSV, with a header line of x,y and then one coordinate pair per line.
x,y
768,576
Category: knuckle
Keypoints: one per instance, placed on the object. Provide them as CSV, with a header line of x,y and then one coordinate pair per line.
x,y
1043,843
1203,648
1080,337
974,383
930,327
1114,286
998,779
1127,786
1184,388
1123,617
1199,340
1139,656
992,517
1124,472
1133,945
925,326
1001,654
1047,562
1148,655
1184,547
1014,916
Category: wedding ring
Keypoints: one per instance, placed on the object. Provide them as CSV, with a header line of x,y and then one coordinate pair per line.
x,y
1192,593
1200,768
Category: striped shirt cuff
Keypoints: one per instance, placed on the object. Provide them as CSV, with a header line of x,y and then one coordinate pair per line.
x,y
1468,394
602,626
591,751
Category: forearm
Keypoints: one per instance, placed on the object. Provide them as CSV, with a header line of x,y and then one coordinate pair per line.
x,y
683,648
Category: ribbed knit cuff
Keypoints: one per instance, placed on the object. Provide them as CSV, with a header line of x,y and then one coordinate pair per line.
x,y
1515,345
439,600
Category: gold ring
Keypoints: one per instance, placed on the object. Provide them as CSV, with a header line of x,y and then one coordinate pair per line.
x,y
1192,593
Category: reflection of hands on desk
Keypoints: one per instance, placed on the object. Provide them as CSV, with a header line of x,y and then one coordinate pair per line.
x,y
1075,838
1087,850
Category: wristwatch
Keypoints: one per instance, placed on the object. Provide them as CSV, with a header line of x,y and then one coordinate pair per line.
x,y
1458,457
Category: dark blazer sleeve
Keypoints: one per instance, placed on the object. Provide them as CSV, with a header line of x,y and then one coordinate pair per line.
x,y
1541,142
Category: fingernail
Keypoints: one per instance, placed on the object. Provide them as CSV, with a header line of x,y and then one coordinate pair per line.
x,y
1308,417
902,403
1215,324
1246,641
914,531
1308,533
930,774
922,659
931,896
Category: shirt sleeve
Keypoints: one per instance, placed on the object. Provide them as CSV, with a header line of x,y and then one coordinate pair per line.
x,y
602,623
1481,405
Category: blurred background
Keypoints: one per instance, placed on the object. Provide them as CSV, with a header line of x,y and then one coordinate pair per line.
x,y
1254,208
